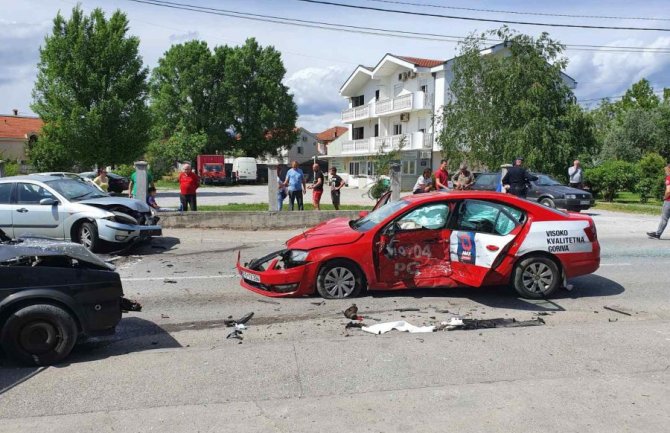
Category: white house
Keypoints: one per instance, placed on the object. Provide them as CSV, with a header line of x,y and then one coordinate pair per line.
x,y
304,149
394,105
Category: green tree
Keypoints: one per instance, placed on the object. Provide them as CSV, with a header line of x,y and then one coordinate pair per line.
x,y
651,176
181,146
264,111
187,95
518,104
636,131
611,177
91,93
640,95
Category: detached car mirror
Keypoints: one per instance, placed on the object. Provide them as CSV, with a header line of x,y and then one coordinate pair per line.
x,y
48,202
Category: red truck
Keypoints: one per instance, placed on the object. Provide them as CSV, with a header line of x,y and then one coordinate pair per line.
x,y
211,169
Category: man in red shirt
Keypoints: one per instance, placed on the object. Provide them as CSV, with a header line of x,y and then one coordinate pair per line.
x,y
188,184
665,213
442,177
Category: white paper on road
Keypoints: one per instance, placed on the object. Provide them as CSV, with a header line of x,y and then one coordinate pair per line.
x,y
382,328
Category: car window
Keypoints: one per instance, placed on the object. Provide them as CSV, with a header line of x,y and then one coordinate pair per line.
x,y
29,193
5,192
486,217
377,216
432,216
74,190
544,180
486,180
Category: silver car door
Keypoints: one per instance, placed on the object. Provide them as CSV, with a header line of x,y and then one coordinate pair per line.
x,y
32,218
6,209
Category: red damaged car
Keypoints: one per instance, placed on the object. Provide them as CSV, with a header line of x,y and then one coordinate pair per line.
x,y
468,238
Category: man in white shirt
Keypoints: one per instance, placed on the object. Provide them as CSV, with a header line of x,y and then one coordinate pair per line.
x,y
576,175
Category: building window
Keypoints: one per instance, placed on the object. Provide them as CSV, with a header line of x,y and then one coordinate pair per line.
x,y
304,138
357,101
357,133
354,168
408,167
397,129
376,129
377,95
299,150
370,168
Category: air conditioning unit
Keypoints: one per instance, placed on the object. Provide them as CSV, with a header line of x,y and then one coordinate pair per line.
x,y
412,74
404,76
400,76
425,155
404,117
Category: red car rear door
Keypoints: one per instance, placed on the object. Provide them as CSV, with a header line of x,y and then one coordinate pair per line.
x,y
482,234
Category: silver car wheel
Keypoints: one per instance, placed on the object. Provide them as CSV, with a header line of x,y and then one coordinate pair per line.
x,y
537,277
85,237
339,282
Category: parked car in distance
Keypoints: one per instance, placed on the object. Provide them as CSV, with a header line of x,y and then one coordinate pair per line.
x,y
117,183
69,209
545,190
51,293
432,240
244,170
211,169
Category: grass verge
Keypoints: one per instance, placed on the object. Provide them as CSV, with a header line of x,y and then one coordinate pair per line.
x,y
255,207
634,208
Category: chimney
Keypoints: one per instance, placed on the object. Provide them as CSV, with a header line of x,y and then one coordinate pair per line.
x,y
16,111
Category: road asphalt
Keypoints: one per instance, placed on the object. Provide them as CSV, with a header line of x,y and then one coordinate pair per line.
x,y
600,364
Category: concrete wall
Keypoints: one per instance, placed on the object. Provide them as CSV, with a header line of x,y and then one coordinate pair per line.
x,y
251,220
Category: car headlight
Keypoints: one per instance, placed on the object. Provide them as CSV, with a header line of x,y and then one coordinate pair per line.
x,y
298,256
570,196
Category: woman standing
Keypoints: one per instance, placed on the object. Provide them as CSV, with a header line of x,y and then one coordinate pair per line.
x,y
102,180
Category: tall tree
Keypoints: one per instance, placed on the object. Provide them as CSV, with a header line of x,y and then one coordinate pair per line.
x,y
91,93
514,102
264,111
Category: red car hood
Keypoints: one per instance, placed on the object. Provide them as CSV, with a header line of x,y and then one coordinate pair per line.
x,y
332,232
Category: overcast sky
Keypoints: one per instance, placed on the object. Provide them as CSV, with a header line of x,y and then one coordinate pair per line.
x,y
318,61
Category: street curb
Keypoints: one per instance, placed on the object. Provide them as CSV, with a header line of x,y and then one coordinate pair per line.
x,y
251,220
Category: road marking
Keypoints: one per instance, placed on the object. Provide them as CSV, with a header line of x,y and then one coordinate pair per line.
x,y
616,264
176,277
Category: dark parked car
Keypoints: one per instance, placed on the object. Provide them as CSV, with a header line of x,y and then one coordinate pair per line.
x,y
117,183
545,190
51,293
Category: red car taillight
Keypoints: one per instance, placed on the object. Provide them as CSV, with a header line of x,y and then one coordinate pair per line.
x,y
591,232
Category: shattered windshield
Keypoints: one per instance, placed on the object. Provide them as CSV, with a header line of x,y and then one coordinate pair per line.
x,y
75,190
377,216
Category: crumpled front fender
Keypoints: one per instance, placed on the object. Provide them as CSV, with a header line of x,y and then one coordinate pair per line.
x,y
269,276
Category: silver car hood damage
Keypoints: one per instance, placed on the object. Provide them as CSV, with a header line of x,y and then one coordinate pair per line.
x,y
110,202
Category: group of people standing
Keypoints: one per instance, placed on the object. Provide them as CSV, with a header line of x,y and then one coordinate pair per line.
x,y
462,180
294,186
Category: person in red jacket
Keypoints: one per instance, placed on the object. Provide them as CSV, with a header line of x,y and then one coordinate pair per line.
x,y
188,184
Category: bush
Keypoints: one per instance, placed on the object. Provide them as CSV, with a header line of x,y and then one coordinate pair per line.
x,y
11,168
611,177
125,170
650,183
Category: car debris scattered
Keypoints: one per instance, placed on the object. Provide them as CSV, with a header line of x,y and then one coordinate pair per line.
x,y
351,312
241,321
382,328
170,281
128,305
266,301
405,310
617,310
236,334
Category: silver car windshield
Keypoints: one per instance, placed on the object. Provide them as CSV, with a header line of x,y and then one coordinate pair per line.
x,y
75,190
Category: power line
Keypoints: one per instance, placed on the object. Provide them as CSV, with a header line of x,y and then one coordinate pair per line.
x,y
375,31
544,14
491,20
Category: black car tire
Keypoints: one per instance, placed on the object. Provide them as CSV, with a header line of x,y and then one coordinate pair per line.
x,y
546,201
87,235
39,334
536,277
339,279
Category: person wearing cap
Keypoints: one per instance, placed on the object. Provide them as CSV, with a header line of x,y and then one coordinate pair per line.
x,y
464,178
517,179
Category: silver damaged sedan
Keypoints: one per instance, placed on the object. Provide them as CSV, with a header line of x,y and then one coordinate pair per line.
x,y
64,208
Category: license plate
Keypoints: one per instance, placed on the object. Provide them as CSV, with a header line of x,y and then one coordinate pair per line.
x,y
251,277
585,202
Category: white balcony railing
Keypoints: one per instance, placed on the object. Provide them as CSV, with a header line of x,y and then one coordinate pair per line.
x,y
403,102
357,147
393,142
427,140
356,113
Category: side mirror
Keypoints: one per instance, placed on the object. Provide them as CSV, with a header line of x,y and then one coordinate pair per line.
x,y
363,214
48,202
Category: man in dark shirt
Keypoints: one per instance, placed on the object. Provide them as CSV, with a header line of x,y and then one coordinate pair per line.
x,y
336,185
317,186
517,178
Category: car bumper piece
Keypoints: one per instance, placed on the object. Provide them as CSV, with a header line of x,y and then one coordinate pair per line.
x,y
112,231
268,276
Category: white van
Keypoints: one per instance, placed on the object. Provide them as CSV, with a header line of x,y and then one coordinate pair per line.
x,y
244,169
